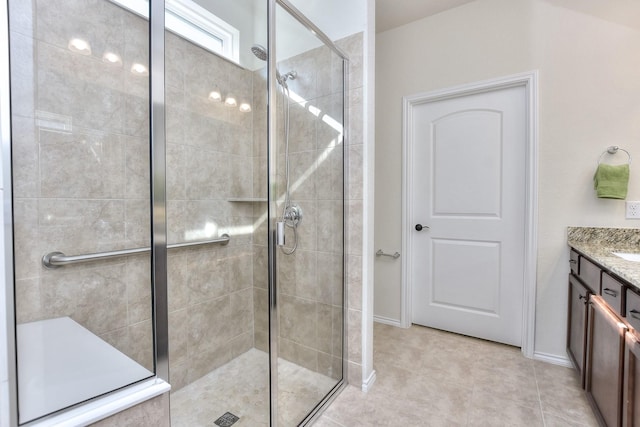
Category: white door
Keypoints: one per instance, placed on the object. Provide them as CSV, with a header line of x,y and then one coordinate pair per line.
x,y
468,188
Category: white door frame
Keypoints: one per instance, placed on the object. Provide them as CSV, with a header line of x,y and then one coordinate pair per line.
x,y
529,81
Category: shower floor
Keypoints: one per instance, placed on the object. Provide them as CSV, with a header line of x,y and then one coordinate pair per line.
x,y
241,387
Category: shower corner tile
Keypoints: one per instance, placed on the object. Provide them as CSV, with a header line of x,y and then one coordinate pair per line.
x,y
154,412
354,374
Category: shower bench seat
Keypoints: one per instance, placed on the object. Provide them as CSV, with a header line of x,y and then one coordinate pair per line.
x,y
62,364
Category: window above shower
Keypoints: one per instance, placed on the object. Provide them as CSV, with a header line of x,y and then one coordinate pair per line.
x,y
192,22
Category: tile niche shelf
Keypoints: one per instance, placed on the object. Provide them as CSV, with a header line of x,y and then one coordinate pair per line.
x,y
247,199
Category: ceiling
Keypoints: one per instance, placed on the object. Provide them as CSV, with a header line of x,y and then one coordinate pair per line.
x,y
394,13
623,12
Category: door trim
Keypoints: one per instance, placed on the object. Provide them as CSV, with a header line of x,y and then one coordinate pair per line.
x,y
529,81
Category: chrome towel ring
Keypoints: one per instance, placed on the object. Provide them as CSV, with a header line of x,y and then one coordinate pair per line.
x,y
613,150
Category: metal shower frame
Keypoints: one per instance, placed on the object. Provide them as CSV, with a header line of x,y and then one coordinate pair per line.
x,y
158,203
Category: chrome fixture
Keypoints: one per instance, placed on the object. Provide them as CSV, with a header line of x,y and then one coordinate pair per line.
x,y
613,149
291,213
261,53
395,255
58,259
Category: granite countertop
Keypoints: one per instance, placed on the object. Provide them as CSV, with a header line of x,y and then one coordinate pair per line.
x,y
599,243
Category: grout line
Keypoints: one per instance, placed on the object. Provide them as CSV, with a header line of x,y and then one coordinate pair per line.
x,y
332,420
535,374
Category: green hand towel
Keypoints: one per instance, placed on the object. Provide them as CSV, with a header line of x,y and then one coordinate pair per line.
x,y
610,181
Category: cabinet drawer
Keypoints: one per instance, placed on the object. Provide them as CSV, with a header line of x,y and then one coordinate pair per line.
x,y
574,259
590,274
613,293
633,310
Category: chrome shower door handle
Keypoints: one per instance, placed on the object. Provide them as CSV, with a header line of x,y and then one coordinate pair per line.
x,y
280,233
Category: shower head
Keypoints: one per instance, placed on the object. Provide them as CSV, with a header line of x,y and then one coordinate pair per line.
x,y
259,51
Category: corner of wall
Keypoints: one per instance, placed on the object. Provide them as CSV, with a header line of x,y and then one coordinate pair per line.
x,y
368,374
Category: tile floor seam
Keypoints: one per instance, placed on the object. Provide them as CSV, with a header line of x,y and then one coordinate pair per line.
x,y
333,420
535,374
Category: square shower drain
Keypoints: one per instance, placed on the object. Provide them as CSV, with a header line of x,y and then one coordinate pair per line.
x,y
227,420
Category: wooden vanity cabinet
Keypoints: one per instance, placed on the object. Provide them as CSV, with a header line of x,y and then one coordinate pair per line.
x,y
604,373
613,293
603,340
631,386
590,274
577,325
574,262
633,310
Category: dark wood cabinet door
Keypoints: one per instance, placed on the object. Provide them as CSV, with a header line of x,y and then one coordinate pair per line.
x,y
631,388
605,362
577,325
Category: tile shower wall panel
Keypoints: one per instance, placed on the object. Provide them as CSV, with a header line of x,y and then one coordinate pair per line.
x,y
353,46
209,161
80,167
260,234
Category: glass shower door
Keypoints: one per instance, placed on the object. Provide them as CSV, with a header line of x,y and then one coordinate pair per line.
x,y
80,176
216,187
309,182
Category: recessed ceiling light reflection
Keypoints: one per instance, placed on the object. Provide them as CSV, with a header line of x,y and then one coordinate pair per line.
x,y
79,46
112,58
245,107
139,69
215,95
230,101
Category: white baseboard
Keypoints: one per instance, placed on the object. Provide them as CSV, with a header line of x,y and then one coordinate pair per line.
x,y
554,359
387,321
368,383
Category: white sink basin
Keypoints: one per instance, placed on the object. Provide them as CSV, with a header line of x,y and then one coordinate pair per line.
x,y
628,256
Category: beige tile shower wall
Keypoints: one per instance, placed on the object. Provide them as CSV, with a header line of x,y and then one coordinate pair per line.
x,y
260,232
353,46
80,168
209,161
154,412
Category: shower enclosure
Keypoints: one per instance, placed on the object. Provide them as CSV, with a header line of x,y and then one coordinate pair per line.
x,y
177,175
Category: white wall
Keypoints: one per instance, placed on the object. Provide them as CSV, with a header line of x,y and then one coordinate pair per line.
x,y
250,18
4,304
589,99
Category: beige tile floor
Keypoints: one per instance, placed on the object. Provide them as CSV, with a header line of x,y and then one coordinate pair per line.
x,y
427,377
240,387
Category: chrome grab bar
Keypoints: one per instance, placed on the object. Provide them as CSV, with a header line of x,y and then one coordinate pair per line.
x,y
395,255
58,259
